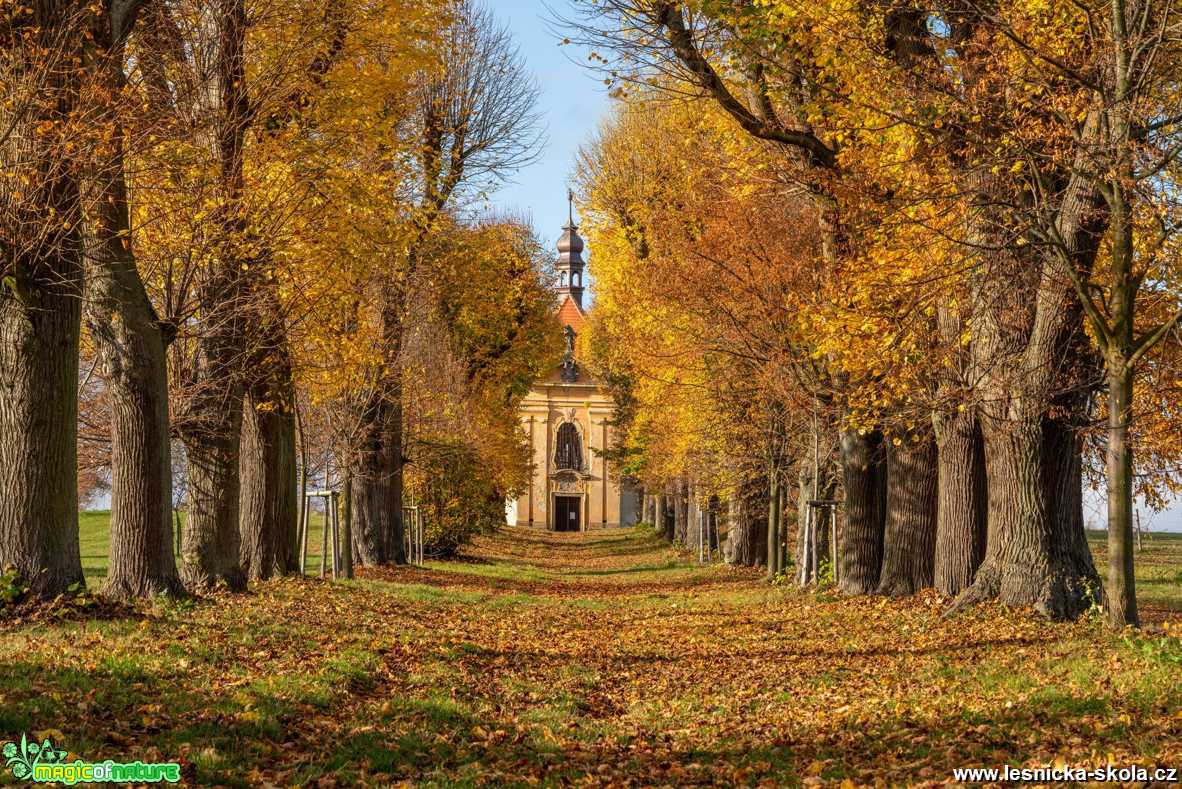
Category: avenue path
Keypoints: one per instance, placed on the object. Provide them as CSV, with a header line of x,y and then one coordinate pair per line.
x,y
604,658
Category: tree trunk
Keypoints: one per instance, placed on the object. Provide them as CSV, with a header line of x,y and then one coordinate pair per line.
x,y
131,345
269,508
692,526
40,309
211,415
864,474
680,513
1121,593
132,349
746,536
377,472
372,526
1035,557
211,546
961,511
664,516
268,496
910,537
39,341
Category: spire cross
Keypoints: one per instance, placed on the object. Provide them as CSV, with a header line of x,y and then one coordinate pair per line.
x,y
570,206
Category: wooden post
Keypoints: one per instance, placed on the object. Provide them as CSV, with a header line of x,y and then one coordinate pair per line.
x,y
347,536
324,542
833,542
336,537
773,526
304,537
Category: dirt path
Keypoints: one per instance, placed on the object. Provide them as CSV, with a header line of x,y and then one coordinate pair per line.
x,y
591,659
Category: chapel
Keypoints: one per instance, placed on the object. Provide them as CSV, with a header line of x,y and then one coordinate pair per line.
x,y
567,418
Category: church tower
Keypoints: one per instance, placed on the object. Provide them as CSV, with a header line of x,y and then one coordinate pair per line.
x,y
570,258
568,417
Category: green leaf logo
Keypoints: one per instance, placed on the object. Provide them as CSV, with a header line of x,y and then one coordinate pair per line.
x,y
23,758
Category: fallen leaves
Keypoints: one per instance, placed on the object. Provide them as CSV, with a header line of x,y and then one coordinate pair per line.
x,y
567,659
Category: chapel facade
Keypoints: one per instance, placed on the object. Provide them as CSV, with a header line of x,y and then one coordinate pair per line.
x,y
567,418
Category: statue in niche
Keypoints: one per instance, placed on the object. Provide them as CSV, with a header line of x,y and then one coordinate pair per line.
x,y
569,368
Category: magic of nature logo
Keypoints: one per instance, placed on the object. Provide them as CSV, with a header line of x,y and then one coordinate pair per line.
x,y
45,763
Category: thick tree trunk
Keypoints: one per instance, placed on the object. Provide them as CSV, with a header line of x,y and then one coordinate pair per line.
x,y
131,345
863,465
377,471
269,509
209,422
746,537
393,443
806,541
210,419
210,549
373,529
909,540
1037,556
40,306
39,336
962,508
694,527
680,513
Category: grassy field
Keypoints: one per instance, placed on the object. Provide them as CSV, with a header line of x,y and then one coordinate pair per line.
x,y
597,659
94,540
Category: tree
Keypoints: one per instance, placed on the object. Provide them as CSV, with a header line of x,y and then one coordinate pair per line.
x,y
130,339
476,122
40,290
1123,153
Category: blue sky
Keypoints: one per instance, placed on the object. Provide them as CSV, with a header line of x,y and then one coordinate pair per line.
x,y
573,101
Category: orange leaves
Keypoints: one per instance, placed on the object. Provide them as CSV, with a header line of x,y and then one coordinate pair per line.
x,y
599,659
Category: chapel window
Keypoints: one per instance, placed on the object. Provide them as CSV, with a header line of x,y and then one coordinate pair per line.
x,y
569,453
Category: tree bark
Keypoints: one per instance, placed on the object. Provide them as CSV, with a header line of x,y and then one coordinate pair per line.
x,y
212,432
693,523
863,465
40,311
39,342
910,537
961,512
1037,554
131,345
210,419
680,513
664,516
269,509
775,538
377,471
1121,593
267,463
746,537
371,473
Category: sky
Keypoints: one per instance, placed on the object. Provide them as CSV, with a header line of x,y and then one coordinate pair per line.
x,y
572,103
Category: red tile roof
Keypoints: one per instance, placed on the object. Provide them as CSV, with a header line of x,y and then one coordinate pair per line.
x,y
569,313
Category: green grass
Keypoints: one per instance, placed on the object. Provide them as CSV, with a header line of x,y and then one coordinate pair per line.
x,y
94,538
588,659
1159,563
1158,567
